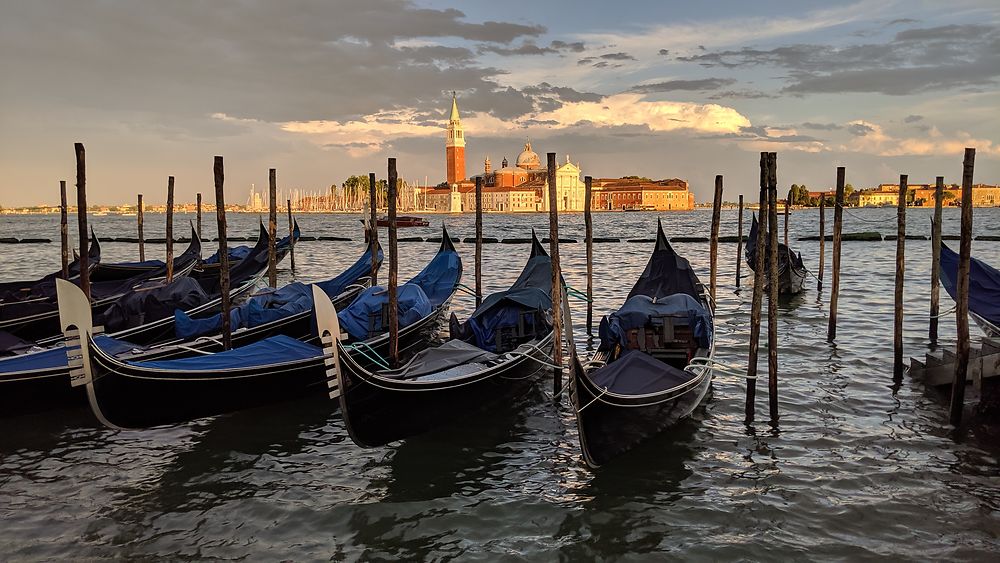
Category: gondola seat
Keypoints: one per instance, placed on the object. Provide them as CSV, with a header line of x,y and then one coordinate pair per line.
x,y
638,373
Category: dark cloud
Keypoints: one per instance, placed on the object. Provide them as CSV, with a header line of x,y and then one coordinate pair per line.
x,y
915,60
332,61
617,57
526,48
564,93
821,126
859,129
575,47
901,21
701,84
912,118
745,94
664,52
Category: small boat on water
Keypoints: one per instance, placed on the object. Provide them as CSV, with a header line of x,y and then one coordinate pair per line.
x,y
401,221
653,365
791,270
495,355
984,289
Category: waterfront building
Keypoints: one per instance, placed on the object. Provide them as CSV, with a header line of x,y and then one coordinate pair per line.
x,y
641,194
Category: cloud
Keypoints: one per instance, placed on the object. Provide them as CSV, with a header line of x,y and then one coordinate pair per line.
x,y
371,133
620,56
744,94
880,142
526,48
664,52
901,21
821,126
859,129
914,61
913,118
575,47
701,84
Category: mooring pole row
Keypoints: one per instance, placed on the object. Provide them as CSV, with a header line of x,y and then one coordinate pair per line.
x,y
758,291
962,292
588,225
773,285
393,267
63,230
897,332
557,289
714,238
170,228
81,216
272,228
220,218
838,225
932,329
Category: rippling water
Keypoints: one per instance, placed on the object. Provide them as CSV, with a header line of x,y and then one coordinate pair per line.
x,y
856,468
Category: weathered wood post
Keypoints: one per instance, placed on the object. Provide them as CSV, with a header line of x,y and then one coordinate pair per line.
x,y
170,229
897,326
479,241
932,331
64,229
373,229
588,225
557,288
393,268
220,218
788,206
838,224
714,248
291,236
758,291
773,285
272,228
962,291
739,244
198,207
138,219
822,242
81,216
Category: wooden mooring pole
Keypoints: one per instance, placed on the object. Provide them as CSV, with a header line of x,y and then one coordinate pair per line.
x,y
962,292
897,326
81,216
170,229
373,228
557,288
932,329
220,218
272,228
838,225
64,229
822,243
739,244
588,225
291,235
758,291
479,241
138,220
788,206
393,268
198,207
714,248
773,285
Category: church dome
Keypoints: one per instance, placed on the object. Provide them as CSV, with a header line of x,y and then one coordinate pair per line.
x,y
528,159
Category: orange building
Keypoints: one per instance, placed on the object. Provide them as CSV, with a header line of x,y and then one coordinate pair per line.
x,y
634,193
455,145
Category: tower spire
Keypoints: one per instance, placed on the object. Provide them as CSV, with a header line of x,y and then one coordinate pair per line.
x,y
455,145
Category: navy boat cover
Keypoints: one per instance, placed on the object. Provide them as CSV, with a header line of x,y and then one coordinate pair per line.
x,y
984,284
270,351
272,305
363,317
153,302
53,358
637,312
637,373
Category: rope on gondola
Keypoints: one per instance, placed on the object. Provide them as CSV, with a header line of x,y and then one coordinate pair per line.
x,y
594,400
465,289
574,292
374,357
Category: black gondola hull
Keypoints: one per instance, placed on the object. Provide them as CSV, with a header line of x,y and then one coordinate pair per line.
x,y
612,425
378,410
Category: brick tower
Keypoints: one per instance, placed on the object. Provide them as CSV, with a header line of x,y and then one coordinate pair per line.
x,y
455,145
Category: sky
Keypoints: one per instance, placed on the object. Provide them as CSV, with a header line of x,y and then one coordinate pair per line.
x,y
323,89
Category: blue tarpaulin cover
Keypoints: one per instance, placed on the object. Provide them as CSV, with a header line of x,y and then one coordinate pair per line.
x,y
56,357
638,373
636,313
984,284
235,253
270,351
355,319
272,305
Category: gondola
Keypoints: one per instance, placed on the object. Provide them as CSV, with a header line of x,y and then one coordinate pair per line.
x,y
141,394
156,386
495,354
35,320
45,286
653,365
401,221
791,270
40,380
984,289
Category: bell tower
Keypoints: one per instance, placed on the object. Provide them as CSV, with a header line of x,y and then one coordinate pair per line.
x,y
455,145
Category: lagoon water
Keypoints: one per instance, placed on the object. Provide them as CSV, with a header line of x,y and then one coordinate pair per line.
x,y
856,468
